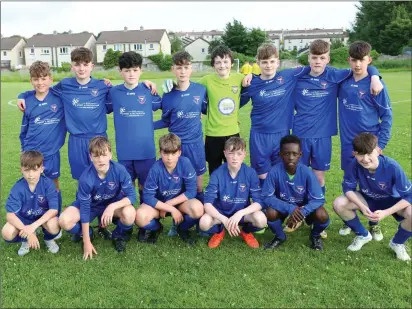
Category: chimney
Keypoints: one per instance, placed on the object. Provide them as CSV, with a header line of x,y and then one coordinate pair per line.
x,y
54,32
125,29
141,28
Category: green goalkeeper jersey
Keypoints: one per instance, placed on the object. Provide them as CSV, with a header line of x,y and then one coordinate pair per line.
x,y
223,107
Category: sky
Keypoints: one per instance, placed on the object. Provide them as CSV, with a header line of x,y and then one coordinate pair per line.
x,y
29,18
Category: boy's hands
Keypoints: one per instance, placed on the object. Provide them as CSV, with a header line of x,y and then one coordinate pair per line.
x,y
233,223
368,213
21,105
162,214
295,218
247,80
376,85
380,214
107,216
107,82
233,231
177,216
152,86
33,242
88,250
167,85
27,231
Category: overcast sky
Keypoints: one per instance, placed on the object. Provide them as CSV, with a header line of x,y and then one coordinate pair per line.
x,y
29,18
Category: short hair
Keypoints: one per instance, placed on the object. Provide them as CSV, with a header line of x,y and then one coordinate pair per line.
x,y
364,143
290,139
130,60
39,69
235,143
319,47
267,50
170,143
221,51
359,49
31,159
81,54
98,145
182,58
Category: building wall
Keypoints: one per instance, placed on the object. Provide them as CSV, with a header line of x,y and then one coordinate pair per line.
x,y
15,55
195,50
165,44
91,44
37,55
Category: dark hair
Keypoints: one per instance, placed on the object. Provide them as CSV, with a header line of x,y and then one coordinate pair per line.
x,y
364,143
319,47
182,58
39,69
81,54
267,50
359,49
98,145
130,60
235,143
290,139
170,143
221,51
31,159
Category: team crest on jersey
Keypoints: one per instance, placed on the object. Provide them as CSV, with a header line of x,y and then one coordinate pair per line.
x,y
196,99
361,93
280,80
382,185
141,99
235,89
299,189
323,84
95,92
111,185
53,107
242,187
40,198
176,178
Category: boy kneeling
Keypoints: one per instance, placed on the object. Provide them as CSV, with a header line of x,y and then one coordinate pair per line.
x,y
169,189
384,190
227,198
33,202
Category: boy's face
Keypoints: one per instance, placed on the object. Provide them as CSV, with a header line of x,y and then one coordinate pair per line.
x,y
170,159
290,154
235,158
318,62
222,65
32,176
369,161
41,84
82,70
182,72
131,76
269,66
101,162
359,67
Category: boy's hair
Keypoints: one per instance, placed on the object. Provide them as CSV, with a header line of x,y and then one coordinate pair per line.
x,y
221,51
290,139
319,47
235,144
359,49
31,159
182,58
170,143
99,145
81,54
130,60
39,69
267,50
364,143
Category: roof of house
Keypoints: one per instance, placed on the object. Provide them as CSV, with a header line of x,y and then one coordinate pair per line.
x,y
192,41
339,30
314,36
59,39
211,32
10,43
131,36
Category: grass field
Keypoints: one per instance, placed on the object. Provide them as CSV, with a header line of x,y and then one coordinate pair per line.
x,y
170,275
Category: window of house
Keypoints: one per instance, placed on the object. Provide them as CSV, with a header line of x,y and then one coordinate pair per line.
x,y
117,47
32,51
151,46
203,50
138,47
45,51
64,50
104,47
289,48
4,53
301,41
20,54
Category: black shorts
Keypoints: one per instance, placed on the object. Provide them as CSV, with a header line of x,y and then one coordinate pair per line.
x,y
214,146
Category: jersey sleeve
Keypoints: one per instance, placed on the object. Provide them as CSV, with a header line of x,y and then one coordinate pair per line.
x,y
350,177
244,96
166,109
205,102
109,105
156,102
190,180
298,72
314,194
337,76
57,89
128,189
269,197
212,189
402,183
383,104
151,187
14,202
52,195
255,189
85,199
25,95
24,128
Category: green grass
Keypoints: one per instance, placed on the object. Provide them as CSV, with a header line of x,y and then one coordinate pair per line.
x,y
170,275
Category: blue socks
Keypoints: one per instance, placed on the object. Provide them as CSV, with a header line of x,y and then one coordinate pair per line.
x,y
277,229
357,226
401,236
249,228
319,227
323,190
121,229
217,228
59,201
187,223
153,225
48,236
16,239
77,229
201,197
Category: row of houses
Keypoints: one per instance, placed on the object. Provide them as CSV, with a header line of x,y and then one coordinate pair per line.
x,y
55,48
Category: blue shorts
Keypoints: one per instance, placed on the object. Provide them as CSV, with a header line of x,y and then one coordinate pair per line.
x,y
264,150
195,152
52,166
94,212
317,152
346,157
79,156
138,168
382,205
27,221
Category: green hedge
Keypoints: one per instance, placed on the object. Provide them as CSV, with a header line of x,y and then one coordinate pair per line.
x,y
164,62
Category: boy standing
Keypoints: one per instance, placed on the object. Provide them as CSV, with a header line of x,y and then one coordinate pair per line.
x,y
384,190
43,127
291,189
170,188
32,203
246,68
105,191
227,198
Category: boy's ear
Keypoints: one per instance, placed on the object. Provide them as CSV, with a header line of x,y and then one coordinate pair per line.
x,y
353,153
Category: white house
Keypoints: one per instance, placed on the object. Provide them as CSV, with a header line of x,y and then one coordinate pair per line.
x,y
300,42
207,35
12,54
198,49
56,48
145,42
274,37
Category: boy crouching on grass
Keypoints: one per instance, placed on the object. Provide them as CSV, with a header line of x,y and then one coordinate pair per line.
x,y
105,191
33,202
227,198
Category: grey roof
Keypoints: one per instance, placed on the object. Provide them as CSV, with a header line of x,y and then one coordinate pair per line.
x,y
191,41
211,32
315,36
53,40
9,43
131,36
340,30
186,41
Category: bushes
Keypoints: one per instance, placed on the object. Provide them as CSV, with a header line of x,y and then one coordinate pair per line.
x,y
111,59
164,62
303,59
242,58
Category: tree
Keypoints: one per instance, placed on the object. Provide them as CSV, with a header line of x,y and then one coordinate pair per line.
x,y
213,44
111,59
255,38
235,36
176,43
336,43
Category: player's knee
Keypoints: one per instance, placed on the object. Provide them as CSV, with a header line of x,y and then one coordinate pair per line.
x,y
408,214
321,215
205,222
196,208
142,217
52,226
259,219
340,204
65,221
128,214
8,232
272,214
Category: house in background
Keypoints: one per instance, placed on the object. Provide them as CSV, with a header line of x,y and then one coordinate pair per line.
x,y
56,48
207,35
198,49
145,42
12,53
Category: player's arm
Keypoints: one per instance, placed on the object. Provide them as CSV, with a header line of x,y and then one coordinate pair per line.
x,y
164,122
108,103
269,197
244,97
383,104
298,72
211,195
84,196
156,102
314,195
21,99
13,205
24,129
152,86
